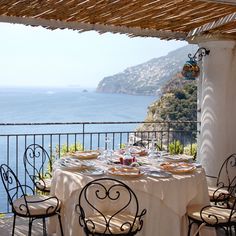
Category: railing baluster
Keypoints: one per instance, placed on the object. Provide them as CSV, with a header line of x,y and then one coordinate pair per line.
x,y
17,156
98,140
50,146
91,142
67,142
8,152
120,139
106,142
161,141
75,142
43,147
59,146
168,136
113,140
83,135
23,154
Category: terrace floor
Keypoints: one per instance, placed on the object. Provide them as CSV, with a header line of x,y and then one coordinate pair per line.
x,y
22,227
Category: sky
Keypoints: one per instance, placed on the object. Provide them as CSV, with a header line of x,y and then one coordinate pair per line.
x,y
34,56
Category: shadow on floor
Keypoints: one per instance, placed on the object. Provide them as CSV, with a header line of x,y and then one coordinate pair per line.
x,y
21,228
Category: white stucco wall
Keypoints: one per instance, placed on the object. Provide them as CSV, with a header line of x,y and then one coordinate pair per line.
x,y
218,105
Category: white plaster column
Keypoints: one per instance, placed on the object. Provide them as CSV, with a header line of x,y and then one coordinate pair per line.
x,y
217,139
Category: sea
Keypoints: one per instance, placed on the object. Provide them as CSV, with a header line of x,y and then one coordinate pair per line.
x,y
69,105
52,105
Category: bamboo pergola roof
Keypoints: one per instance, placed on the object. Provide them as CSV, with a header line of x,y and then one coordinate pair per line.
x,y
166,19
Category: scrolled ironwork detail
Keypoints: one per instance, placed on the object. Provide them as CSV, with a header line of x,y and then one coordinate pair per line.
x,y
107,190
228,169
208,218
191,69
199,54
38,166
222,214
24,205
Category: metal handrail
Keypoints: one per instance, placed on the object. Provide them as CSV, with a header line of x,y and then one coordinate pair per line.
x,y
84,135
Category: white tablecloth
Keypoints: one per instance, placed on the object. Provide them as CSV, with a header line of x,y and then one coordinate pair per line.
x,y
165,199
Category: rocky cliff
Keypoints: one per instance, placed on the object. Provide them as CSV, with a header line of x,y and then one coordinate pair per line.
x,y
147,78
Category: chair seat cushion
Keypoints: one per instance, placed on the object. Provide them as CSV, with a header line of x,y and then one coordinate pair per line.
x,y
44,185
217,194
114,225
37,204
222,214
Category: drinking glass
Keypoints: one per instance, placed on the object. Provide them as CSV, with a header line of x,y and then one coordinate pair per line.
x,y
102,156
108,152
152,154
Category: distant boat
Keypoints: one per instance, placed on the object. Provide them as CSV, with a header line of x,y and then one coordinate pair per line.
x,y
85,91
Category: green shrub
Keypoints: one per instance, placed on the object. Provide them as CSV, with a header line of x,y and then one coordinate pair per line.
x,y
191,150
176,147
71,148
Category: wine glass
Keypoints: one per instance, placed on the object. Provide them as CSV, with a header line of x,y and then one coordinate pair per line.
x,y
102,156
152,154
108,152
131,140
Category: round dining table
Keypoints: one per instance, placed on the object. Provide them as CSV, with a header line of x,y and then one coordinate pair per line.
x,y
166,199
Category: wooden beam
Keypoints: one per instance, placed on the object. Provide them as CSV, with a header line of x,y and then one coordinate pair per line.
x,y
213,25
101,28
228,2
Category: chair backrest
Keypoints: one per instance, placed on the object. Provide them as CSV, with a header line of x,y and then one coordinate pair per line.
x,y
38,164
146,143
139,143
113,199
13,187
227,172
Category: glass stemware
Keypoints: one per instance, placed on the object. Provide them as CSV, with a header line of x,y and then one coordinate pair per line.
x,y
102,156
108,152
152,154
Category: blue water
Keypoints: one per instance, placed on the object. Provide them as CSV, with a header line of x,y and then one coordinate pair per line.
x,y
36,105
69,105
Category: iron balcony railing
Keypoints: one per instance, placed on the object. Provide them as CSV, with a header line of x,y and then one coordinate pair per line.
x,y
58,138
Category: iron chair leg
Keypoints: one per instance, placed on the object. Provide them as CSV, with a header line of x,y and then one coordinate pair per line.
x,y
14,223
189,227
44,227
30,226
59,218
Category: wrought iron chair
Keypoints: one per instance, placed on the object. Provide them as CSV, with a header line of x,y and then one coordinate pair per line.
x,y
140,143
224,187
214,216
30,206
109,207
38,166
145,144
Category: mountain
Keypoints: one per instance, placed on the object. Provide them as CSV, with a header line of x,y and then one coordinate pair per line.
x,y
147,78
177,103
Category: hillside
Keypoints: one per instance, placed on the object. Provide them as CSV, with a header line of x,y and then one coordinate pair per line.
x,y
178,103
147,78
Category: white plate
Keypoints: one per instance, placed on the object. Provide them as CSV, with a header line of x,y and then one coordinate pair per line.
x,y
159,174
125,171
178,167
178,158
85,155
72,164
95,172
66,166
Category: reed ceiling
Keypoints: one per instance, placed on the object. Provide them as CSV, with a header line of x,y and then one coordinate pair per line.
x,y
166,19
